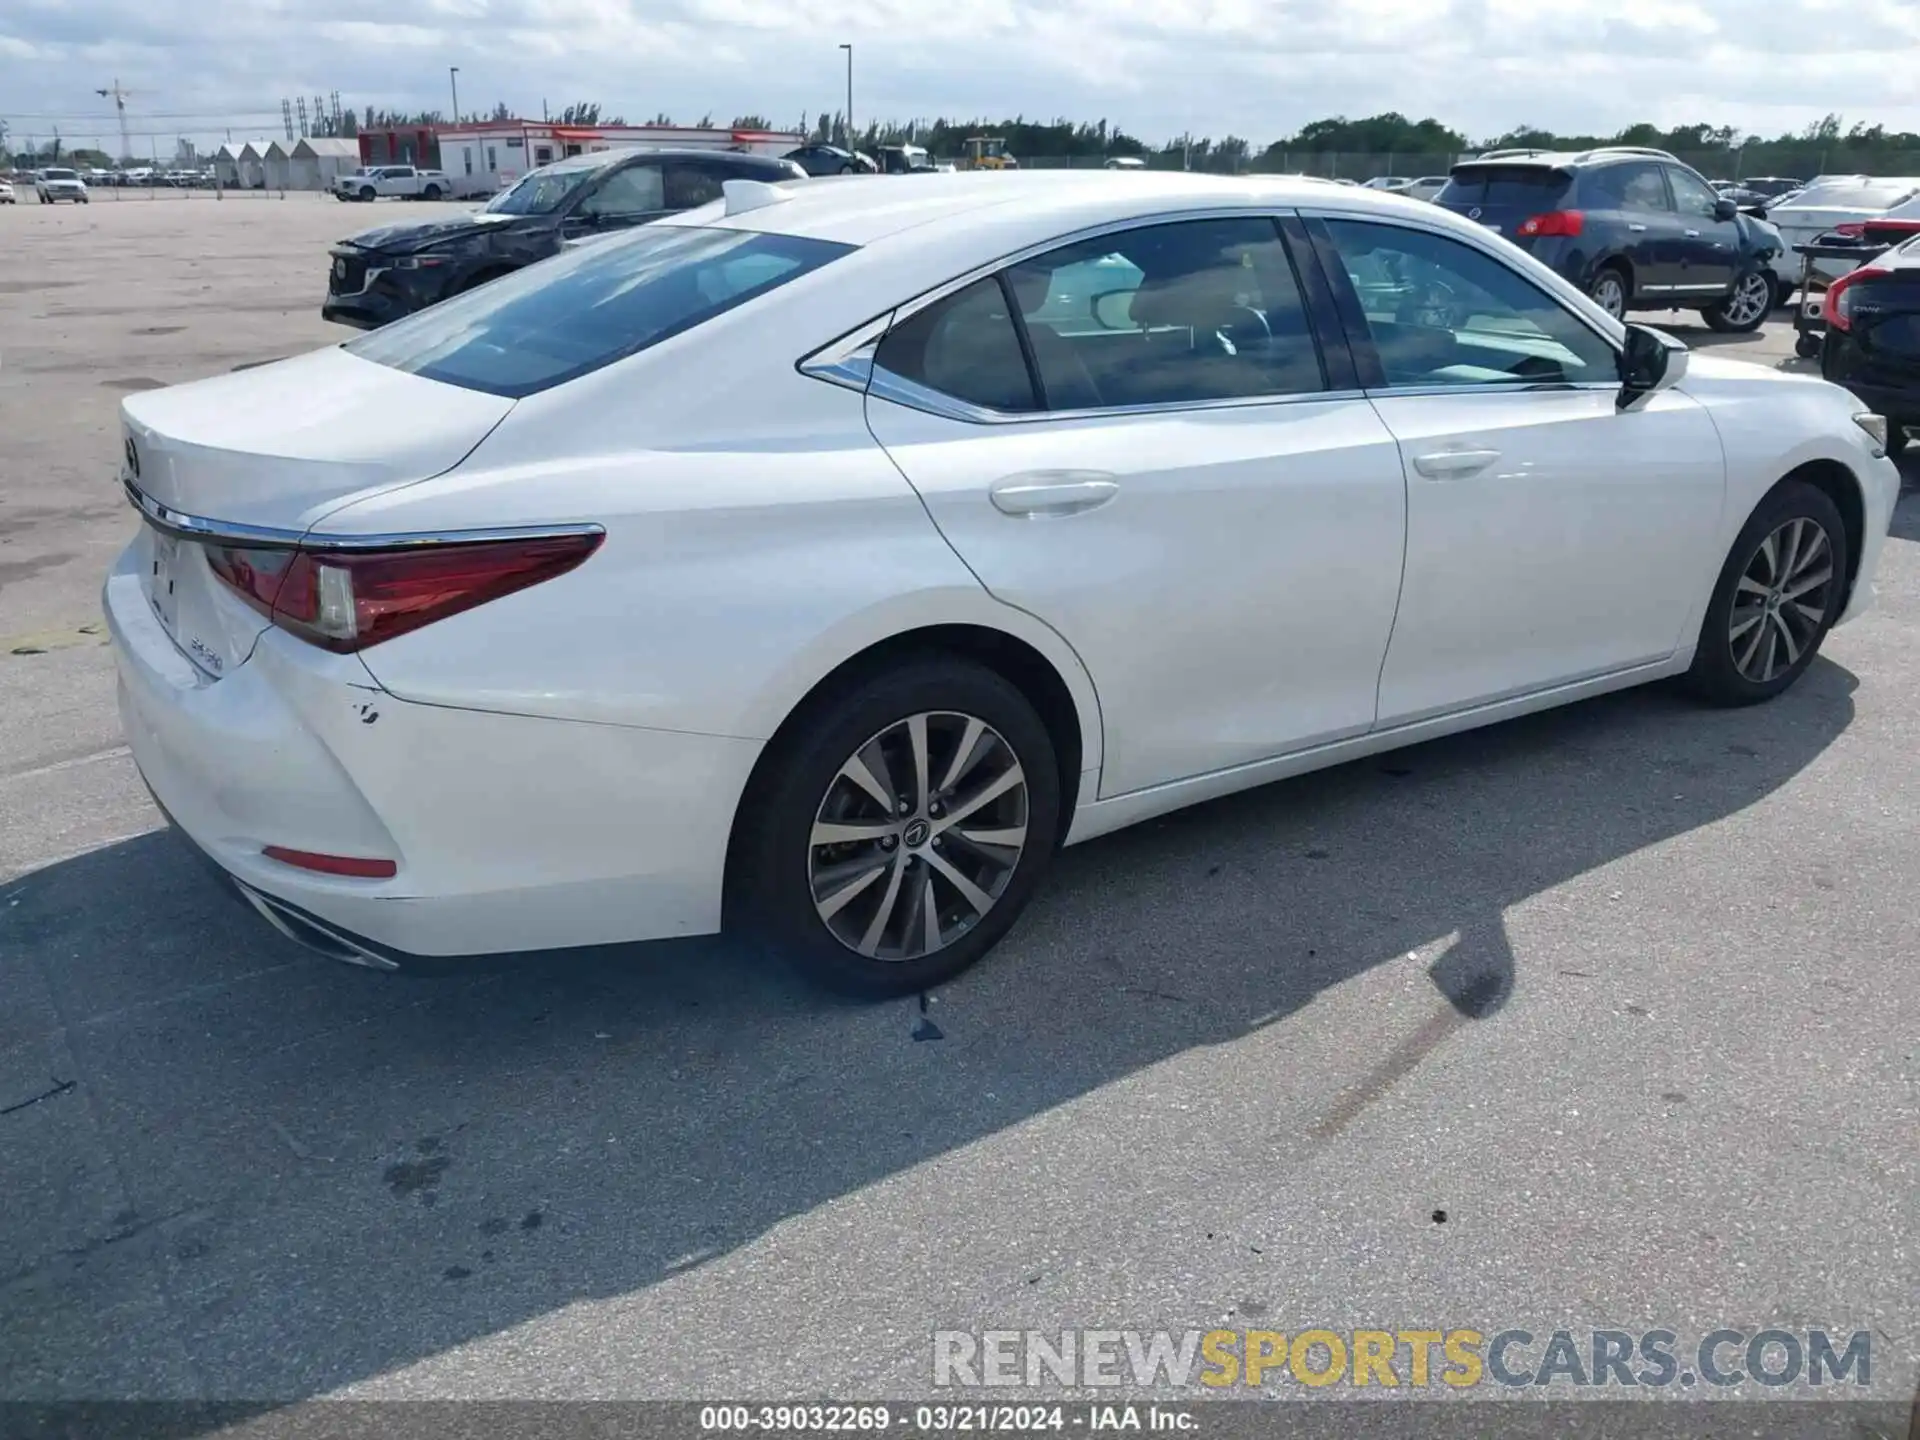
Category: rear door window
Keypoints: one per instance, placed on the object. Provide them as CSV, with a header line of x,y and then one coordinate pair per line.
x,y
1183,313
586,308
1638,186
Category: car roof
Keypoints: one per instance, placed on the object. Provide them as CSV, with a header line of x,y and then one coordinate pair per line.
x,y
855,210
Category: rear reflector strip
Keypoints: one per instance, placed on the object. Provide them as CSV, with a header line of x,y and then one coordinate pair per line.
x,y
359,867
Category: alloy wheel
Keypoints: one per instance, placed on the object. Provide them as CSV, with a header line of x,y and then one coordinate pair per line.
x,y
1610,295
918,835
1781,602
1751,299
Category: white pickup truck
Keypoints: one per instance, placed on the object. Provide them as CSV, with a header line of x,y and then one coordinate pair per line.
x,y
406,182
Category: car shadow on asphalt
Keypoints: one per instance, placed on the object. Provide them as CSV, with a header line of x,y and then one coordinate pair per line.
x,y
272,1176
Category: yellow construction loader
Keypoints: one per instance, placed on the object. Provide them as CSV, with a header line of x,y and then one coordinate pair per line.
x,y
987,153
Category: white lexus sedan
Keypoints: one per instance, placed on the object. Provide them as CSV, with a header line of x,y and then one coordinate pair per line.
x,y
817,562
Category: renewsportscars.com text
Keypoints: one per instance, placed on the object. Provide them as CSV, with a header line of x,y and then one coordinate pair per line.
x,y
1459,1358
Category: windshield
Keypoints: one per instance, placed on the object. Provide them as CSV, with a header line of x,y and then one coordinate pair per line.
x,y
560,319
59,175
540,193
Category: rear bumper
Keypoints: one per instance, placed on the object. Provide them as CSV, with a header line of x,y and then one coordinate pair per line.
x,y
509,833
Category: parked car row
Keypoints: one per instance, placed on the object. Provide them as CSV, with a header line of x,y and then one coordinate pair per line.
x,y
382,274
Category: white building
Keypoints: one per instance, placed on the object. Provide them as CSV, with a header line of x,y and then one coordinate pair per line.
x,y
316,160
496,153
252,164
226,164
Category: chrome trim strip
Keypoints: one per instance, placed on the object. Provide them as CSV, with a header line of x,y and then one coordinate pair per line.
x,y
203,530
1491,387
890,387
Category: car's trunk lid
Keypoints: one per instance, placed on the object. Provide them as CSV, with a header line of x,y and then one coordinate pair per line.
x,y
268,452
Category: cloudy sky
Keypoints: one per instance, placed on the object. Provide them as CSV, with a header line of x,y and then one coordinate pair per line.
x,y
1257,68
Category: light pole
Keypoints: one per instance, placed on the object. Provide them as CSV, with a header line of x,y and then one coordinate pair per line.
x,y
849,50
453,79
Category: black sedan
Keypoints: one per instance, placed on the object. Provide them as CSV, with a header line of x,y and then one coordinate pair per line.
x,y
832,160
380,275
1873,339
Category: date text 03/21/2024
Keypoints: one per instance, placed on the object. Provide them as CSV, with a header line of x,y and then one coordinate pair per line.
x,y
943,1418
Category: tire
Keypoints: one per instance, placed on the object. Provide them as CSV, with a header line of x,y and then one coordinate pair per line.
x,y
782,886
1745,668
846,169
1806,345
366,194
432,192
1611,291
1747,306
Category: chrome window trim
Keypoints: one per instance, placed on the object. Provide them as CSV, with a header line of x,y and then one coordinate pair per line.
x,y
890,387
1490,387
203,530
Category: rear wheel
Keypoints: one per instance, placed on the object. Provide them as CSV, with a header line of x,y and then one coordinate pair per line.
x,y
1807,345
1609,291
902,831
1782,587
1746,306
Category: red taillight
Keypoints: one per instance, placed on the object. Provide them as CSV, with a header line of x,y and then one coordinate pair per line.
x,y
346,600
358,867
1553,223
1839,300
1853,228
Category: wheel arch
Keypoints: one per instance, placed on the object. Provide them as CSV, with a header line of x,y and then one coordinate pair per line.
x,y
1843,487
1064,701
1618,261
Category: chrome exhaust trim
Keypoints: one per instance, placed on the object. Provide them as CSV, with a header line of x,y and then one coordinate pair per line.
x,y
314,935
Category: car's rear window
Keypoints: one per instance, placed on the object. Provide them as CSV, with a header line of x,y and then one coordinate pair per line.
x,y
1504,185
589,307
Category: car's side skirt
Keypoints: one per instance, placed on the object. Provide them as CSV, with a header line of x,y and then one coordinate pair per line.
x,y
1099,817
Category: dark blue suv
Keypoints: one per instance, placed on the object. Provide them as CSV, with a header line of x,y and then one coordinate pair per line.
x,y
1634,228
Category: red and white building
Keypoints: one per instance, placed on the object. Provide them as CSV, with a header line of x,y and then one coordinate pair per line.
x,y
495,153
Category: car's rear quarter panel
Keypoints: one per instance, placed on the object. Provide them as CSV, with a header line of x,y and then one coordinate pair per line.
x,y
757,538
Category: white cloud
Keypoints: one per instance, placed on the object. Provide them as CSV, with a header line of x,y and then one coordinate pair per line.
x,y
1257,68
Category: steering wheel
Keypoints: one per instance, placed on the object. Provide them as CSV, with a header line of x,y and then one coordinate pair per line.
x,y
1438,307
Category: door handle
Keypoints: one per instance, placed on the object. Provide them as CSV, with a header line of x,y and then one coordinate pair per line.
x,y
1693,234
1637,229
1053,492
1454,464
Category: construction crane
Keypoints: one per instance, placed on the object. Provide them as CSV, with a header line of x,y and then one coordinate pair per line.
x,y
120,98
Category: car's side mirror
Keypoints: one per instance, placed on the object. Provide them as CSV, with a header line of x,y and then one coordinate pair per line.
x,y
1725,209
1651,360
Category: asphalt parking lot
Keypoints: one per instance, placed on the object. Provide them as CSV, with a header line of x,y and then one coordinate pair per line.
x,y
1607,1017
